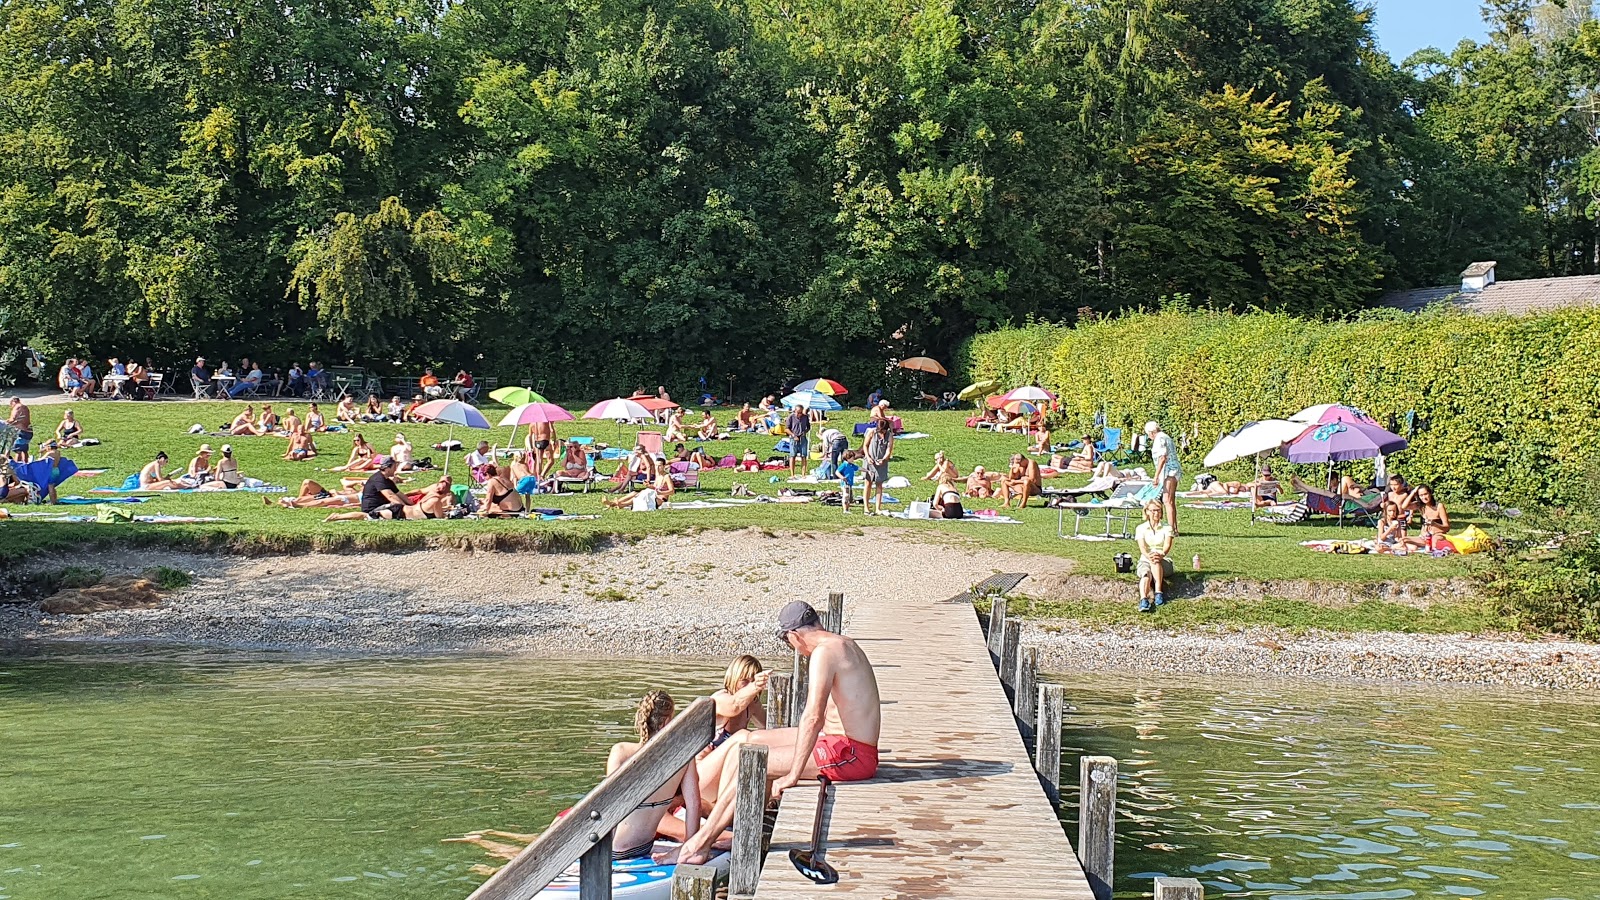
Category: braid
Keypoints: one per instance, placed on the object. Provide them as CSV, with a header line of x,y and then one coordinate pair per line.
x,y
654,712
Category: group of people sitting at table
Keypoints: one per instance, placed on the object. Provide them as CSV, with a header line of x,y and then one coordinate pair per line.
x,y
120,381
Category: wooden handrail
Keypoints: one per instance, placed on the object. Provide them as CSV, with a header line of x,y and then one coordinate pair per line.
x,y
604,808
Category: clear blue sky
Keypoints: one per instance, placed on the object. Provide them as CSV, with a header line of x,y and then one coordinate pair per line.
x,y
1406,26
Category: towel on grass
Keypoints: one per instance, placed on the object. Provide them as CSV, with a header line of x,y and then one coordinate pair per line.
x,y
94,501
969,517
911,436
1220,504
144,520
242,489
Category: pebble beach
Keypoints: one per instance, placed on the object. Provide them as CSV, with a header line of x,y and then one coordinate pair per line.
x,y
712,595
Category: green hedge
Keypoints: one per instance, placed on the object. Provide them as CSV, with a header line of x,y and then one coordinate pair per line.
x,y
1513,404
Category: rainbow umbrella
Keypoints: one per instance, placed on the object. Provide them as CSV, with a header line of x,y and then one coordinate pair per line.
x,y
1020,407
811,400
821,386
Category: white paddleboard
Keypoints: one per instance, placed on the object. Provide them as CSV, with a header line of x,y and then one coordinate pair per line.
x,y
635,879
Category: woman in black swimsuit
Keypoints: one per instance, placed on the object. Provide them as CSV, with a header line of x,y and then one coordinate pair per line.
x,y
635,837
502,499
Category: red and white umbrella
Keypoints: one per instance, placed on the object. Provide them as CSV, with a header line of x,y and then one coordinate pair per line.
x,y
619,409
1030,393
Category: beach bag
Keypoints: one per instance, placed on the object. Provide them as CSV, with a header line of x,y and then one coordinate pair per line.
x,y
1472,539
109,514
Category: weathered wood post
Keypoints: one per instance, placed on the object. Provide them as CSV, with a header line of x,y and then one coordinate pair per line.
x,y
798,686
997,624
1047,740
833,616
1097,821
1026,687
1179,889
594,870
778,698
694,882
1010,643
749,809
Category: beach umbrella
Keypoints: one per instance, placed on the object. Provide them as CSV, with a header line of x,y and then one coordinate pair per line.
x,y
821,386
1029,392
516,396
1253,439
811,400
653,404
1341,441
452,413
1020,407
620,409
530,413
978,389
1323,413
923,364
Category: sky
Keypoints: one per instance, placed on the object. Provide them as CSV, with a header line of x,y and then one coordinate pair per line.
x,y
1406,26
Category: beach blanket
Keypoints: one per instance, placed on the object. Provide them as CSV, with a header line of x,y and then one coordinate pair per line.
x,y
706,504
1338,546
95,501
969,517
143,520
911,436
91,473
243,489
1220,504
37,473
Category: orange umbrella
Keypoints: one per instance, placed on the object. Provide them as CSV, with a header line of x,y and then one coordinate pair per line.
x,y
923,364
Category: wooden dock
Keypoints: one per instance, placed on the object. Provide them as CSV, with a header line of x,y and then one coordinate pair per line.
x,y
956,810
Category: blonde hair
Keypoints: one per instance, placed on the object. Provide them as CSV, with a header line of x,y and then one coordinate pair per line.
x,y
740,672
653,714
1155,505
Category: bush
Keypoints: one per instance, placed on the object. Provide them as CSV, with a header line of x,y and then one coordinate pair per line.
x,y
1550,580
1505,405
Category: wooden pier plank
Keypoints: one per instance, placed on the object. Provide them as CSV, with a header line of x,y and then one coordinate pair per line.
x,y
956,810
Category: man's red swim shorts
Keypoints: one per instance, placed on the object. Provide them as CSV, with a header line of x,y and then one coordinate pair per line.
x,y
843,759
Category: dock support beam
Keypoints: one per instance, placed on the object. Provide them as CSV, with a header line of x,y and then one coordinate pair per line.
x,y
778,699
798,688
1027,687
833,615
749,810
1179,889
1010,644
1047,740
997,624
1097,821
694,882
594,870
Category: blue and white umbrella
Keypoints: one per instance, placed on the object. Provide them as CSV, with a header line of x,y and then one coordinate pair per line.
x,y
811,400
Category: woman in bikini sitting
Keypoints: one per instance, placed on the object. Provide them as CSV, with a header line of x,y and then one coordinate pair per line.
x,y
374,411
501,499
152,478
69,433
737,709
245,423
269,420
635,836
315,423
361,457
1083,461
347,412
1435,521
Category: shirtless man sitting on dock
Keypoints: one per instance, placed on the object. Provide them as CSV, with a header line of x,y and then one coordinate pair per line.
x,y
837,736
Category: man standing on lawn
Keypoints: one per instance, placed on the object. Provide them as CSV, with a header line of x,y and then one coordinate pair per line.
x,y
799,427
1164,459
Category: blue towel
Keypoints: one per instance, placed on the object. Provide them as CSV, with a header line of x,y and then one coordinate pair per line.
x,y
37,473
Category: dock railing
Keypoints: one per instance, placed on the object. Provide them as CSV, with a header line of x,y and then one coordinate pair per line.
x,y
584,835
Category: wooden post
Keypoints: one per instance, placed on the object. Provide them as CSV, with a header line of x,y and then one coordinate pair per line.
x,y
1026,686
1179,889
778,698
594,870
997,624
798,687
694,882
749,810
1097,821
1047,740
833,618
1010,643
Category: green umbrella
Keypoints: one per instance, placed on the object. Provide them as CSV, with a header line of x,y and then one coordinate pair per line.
x,y
972,391
516,396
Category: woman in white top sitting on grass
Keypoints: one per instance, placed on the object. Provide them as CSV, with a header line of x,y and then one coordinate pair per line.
x,y
1155,557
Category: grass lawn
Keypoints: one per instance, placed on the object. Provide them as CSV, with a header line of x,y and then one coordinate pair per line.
x,y
133,432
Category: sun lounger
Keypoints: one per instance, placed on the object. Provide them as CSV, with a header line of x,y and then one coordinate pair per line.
x,y
1120,511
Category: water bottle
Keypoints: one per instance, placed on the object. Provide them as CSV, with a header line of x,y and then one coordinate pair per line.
x,y
1197,562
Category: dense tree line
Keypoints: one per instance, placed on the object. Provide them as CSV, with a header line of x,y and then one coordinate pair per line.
x,y
599,193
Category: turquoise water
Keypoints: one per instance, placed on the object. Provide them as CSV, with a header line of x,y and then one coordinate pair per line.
x,y
199,775
1270,790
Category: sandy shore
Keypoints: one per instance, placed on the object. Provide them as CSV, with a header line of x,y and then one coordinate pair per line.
x,y
713,595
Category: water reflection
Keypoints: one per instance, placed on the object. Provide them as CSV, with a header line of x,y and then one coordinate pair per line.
x,y
1270,790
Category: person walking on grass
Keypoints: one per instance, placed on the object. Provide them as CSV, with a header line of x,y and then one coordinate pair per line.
x,y
1164,459
1155,557
22,420
799,426
875,456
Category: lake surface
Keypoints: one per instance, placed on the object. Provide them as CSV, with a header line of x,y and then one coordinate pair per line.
x,y
128,774
1271,790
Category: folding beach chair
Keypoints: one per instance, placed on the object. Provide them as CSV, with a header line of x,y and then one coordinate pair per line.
x,y
685,475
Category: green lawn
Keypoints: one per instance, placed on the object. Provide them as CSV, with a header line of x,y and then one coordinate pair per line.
x,y
133,432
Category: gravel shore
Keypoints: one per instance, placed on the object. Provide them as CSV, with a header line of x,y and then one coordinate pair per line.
x,y
713,595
